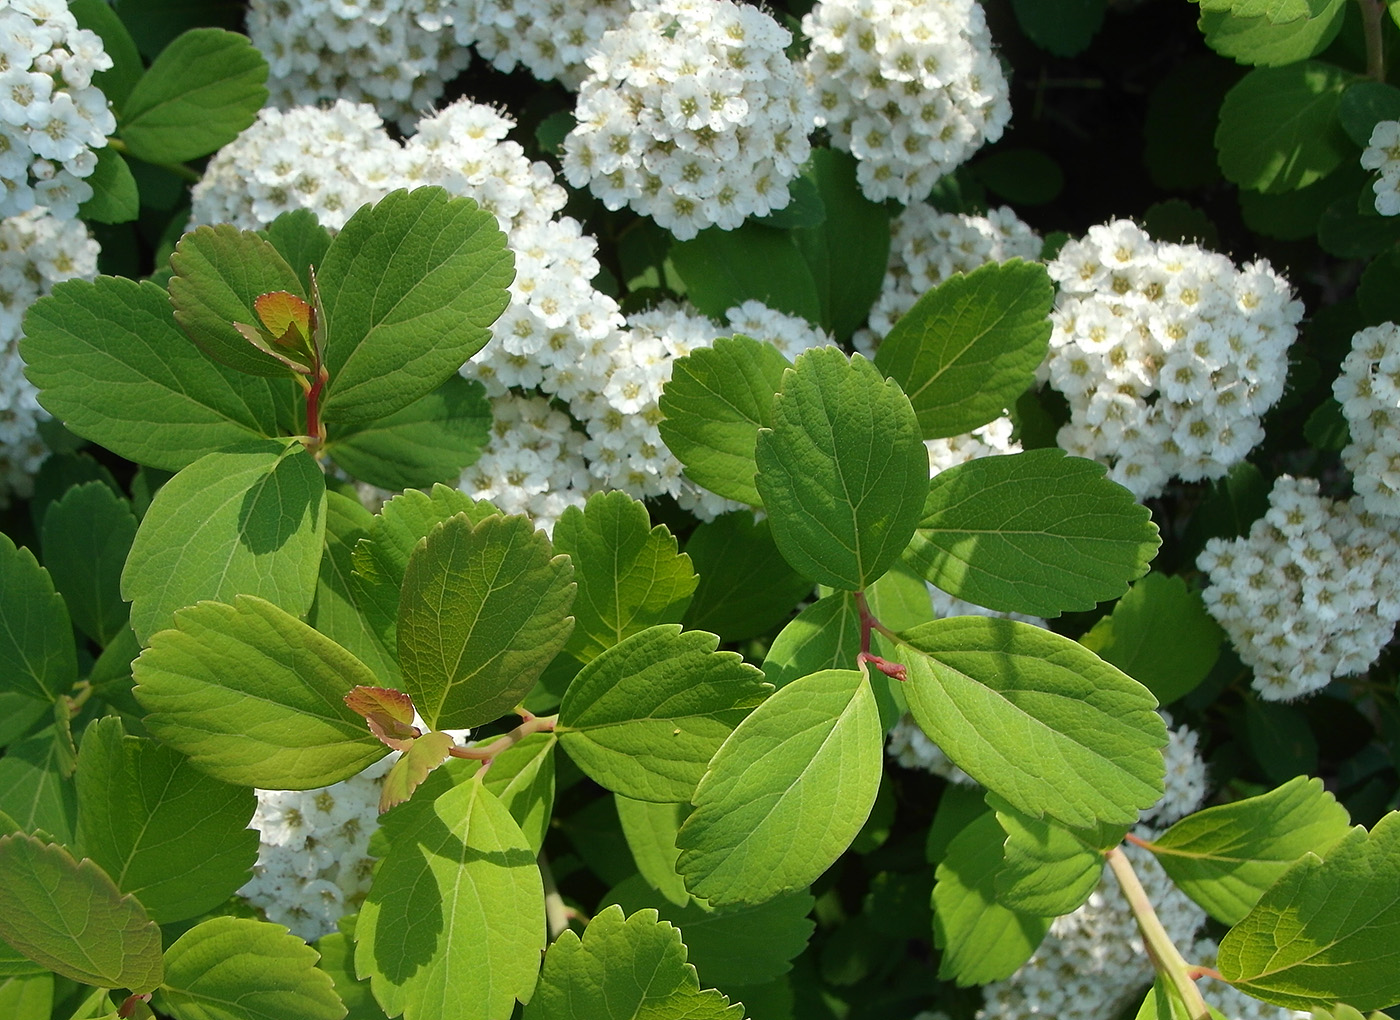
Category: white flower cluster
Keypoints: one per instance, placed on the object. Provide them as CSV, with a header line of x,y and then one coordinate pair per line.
x,y
1312,593
395,54
550,38
36,251
1383,154
1167,354
985,441
1369,392
927,247
692,114
910,87
52,116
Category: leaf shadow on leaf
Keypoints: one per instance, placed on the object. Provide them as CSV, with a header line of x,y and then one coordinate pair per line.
x,y
262,530
413,897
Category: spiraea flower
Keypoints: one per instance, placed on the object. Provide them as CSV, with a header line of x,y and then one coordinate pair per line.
x,y
1382,154
1368,389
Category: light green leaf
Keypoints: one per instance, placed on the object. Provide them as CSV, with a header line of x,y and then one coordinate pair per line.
x,y
255,697
1163,1002
786,793
847,251
1278,127
87,535
644,718
28,997
167,833
421,756
825,635
429,441
198,95
37,658
1227,856
1261,42
1325,931
463,875
245,522
483,610
1160,634
1035,532
1046,870
68,916
111,364
842,472
629,575
522,778
1037,719
336,612
300,239
970,347
748,944
633,969
715,402
982,940
651,830
1277,11
236,968
746,587
115,198
410,287
338,960
725,268
380,561
218,273
33,790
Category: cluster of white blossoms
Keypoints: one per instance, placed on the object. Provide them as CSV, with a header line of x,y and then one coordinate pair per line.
x,y
52,116
691,114
1368,389
549,38
1311,593
395,54
910,87
1167,353
1382,154
927,247
37,251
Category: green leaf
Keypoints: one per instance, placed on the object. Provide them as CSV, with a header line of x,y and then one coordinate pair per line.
x,y
28,997
421,756
1062,27
970,347
1026,176
522,777
461,869
981,940
218,273
37,658
825,635
33,790
301,240
848,250
483,611
167,833
1035,532
1278,126
1037,719
1160,634
1046,870
431,440
748,944
68,916
633,969
725,268
714,404
746,587
1364,104
1348,232
336,611
630,576
236,968
786,793
117,81
87,535
842,472
111,364
410,287
18,714
115,198
1163,1002
255,697
197,96
250,522
1227,856
1325,931
645,717
338,960
651,830
1277,11
381,561
1264,43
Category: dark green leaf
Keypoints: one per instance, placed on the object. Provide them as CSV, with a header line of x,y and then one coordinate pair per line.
x,y
1063,27
115,198
725,268
87,535
37,657
33,790
301,240
118,80
746,587
1026,176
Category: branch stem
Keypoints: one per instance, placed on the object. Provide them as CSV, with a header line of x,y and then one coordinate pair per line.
x,y
1372,13
180,170
487,752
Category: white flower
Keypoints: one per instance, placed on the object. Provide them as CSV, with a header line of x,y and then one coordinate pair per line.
x,y
1382,154
1369,391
